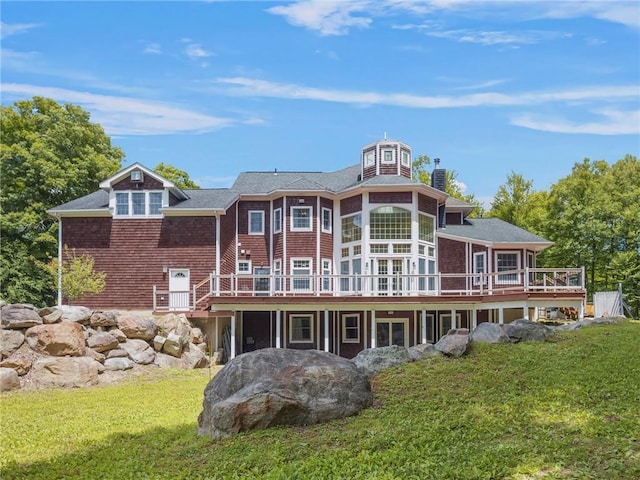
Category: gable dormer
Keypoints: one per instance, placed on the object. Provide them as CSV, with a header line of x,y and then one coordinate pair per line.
x,y
138,192
386,157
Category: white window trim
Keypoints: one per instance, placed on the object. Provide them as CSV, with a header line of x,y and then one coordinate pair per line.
x,y
476,279
147,206
277,214
327,230
301,229
344,328
393,156
243,272
503,281
249,215
311,328
369,158
307,277
404,154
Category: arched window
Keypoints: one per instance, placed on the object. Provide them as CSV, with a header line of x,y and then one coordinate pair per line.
x,y
390,223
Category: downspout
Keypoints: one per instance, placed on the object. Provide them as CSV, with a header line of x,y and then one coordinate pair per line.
x,y
59,261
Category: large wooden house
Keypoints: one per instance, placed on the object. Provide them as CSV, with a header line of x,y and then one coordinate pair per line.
x,y
337,261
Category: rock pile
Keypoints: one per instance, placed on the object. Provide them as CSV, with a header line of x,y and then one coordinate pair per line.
x,y
74,346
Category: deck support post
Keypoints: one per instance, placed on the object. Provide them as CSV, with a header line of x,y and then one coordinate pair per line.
x,y
326,330
232,347
423,326
454,322
474,318
501,316
525,311
373,329
278,334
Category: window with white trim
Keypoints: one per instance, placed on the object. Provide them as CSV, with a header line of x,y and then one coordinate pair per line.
x,y
301,272
507,261
301,219
388,156
479,266
277,220
300,329
406,159
326,220
369,158
351,328
244,267
326,275
277,273
256,222
138,204
352,228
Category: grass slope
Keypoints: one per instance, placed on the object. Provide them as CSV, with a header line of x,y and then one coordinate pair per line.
x,y
569,408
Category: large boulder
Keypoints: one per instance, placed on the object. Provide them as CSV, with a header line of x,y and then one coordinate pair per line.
x,y
102,342
163,360
75,314
9,379
137,327
274,386
423,350
65,372
19,315
10,341
522,330
139,351
374,360
103,319
117,363
54,316
193,357
173,345
58,339
454,343
489,333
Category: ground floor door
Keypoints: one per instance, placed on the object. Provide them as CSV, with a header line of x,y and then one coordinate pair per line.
x,y
179,289
392,332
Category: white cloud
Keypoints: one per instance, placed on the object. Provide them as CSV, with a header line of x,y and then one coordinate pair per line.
x,y
126,115
488,38
614,122
261,88
619,11
153,49
329,17
7,29
195,50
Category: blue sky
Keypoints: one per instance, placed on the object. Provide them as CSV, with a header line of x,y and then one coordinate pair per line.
x,y
215,88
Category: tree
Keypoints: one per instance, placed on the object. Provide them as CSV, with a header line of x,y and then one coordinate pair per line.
x,y
50,154
78,275
452,187
179,177
511,203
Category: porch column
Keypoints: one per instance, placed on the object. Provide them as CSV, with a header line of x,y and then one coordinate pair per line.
x,y
423,327
525,311
373,329
216,340
60,263
474,318
326,330
233,337
501,316
454,320
278,343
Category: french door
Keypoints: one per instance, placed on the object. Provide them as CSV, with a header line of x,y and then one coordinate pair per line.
x,y
392,276
392,332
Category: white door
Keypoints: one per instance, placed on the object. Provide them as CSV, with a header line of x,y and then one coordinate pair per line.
x,y
179,289
392,276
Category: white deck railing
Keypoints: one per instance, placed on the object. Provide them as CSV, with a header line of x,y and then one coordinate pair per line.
x,y
234,285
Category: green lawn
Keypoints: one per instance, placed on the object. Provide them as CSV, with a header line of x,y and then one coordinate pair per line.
x,y
569,408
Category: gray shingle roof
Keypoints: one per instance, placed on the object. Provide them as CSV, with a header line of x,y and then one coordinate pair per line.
x,y
94,201
493,230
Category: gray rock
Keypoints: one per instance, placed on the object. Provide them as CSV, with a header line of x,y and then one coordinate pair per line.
x,y
522,330
487,332
97,356
65,372
118,363
163,360
197,336
117,353
454,343
139,351
9,379
102,342
58,339
54,316
75,314
173,345
137,327
18,315
103,319
158,342
192,357
423,350
116,332
21,365
10,341
374,360
167,324
275,386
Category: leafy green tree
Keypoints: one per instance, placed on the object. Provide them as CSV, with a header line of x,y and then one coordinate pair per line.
x,y
511,202
179,177
452,186
79,277
50,154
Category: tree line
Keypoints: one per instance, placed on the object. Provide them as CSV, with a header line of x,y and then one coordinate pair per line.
x,y
53,153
